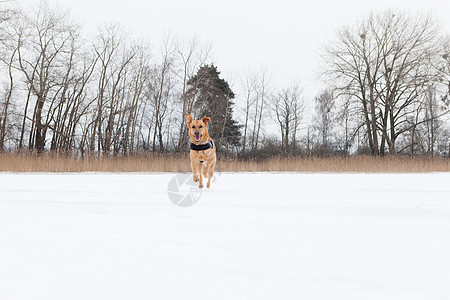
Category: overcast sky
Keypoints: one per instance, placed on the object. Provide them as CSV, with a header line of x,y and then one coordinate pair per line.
x,y
284,36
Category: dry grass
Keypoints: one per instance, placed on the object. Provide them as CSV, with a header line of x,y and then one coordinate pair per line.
x,y
52,163
357,164
168,163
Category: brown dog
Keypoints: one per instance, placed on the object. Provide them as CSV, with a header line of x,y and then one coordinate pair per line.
x,y
203,150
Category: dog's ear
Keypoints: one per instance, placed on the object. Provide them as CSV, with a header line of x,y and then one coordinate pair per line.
x,y
206,120
188,119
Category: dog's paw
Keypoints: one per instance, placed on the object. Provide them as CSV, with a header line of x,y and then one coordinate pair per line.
x,y
208,185
200,186
195,178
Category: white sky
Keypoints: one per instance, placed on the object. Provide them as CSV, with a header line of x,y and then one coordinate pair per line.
x,y
283,36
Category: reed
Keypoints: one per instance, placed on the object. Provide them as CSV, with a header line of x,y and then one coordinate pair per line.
x,y
180,163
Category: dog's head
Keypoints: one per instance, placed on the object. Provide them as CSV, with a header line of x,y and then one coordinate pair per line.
x,y
197,128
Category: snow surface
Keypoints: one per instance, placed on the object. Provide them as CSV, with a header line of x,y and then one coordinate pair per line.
x,y
252,236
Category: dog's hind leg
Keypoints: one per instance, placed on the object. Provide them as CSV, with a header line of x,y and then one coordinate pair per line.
x,y
200,166
210,174
206,169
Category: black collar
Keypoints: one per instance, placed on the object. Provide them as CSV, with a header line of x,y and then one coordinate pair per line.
x,y
201,147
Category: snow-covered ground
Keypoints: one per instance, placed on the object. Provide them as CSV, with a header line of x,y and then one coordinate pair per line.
x,y
252,236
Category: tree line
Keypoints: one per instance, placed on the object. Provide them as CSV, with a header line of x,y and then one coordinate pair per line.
x,y
391,72
387,92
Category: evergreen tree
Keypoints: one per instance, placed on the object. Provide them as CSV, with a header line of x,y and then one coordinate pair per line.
x,y
213,98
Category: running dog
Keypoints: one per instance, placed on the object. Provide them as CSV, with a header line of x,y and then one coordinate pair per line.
x,y
203,150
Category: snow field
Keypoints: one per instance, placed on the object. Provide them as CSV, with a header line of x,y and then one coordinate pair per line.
x,y
251,236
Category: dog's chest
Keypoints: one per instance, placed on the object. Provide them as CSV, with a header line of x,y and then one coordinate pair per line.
x,y
202,156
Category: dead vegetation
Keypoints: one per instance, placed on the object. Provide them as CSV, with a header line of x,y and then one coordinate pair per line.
x,y
171,163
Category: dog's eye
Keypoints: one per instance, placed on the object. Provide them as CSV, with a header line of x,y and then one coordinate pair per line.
x,y
193,127
201,126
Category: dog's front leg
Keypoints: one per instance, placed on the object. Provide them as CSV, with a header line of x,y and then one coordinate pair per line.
x,y
200,167
194,170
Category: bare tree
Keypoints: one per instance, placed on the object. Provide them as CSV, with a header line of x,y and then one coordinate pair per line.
x,y
8,51
140,75
384,65
44,47
113,56
262,90
249,84
161,83
288,106
74,101
255,90
324,120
